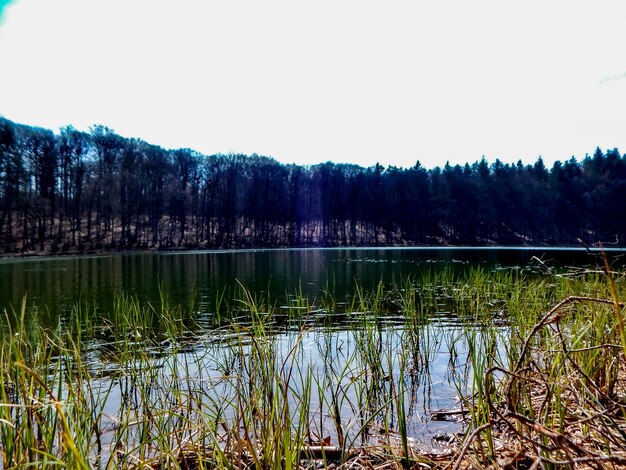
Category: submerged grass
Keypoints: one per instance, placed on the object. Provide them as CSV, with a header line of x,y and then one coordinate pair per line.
x,y
537,363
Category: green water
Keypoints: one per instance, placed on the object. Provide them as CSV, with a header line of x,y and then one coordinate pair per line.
x,y
195,278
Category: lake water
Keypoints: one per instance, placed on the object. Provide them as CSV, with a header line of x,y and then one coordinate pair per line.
x,y
57,283
195,279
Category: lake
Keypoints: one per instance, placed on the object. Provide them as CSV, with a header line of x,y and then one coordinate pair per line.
x,y
195,280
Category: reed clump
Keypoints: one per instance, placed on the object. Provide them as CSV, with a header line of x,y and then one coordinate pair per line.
x,y
537,364
558,399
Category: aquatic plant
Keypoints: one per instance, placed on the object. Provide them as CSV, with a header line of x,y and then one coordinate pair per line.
x,y
537,363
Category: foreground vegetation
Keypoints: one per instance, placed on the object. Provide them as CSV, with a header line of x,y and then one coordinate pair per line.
x,y
537,363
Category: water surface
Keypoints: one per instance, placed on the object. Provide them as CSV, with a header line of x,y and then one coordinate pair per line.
x,y
195,278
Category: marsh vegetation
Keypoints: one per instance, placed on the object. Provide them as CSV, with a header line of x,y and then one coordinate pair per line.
x,y
532,367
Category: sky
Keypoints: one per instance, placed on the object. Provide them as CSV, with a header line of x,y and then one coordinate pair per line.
x,y
349,81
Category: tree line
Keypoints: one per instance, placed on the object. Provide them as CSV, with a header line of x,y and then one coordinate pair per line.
x,y
76,191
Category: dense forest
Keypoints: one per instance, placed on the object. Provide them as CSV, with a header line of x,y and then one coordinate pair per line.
x,y
73,191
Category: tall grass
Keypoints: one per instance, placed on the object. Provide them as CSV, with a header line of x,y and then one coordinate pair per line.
x,y
144,386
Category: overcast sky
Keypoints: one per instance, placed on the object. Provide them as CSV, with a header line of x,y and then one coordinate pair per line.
x,y
307,82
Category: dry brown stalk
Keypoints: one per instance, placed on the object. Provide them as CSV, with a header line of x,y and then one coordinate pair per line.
x,y
590,431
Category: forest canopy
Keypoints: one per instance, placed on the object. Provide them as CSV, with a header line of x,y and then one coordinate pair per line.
x,y
74,191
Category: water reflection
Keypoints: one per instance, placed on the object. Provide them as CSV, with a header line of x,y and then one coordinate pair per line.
x,y
360,367
197,278
348,397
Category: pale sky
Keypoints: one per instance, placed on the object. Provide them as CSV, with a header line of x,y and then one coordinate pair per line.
x,y
351,81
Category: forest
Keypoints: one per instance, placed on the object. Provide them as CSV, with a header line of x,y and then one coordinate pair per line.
x,y
74,191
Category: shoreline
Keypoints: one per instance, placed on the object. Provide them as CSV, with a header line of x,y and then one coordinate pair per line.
x,y
104,252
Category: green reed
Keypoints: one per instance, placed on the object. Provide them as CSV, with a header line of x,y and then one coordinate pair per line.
x,y
145,385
